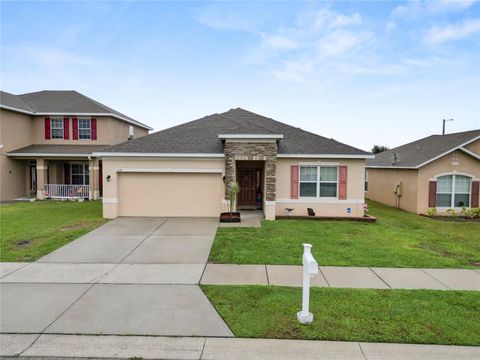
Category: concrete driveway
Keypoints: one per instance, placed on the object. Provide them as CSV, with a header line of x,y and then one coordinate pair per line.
x,y
134,276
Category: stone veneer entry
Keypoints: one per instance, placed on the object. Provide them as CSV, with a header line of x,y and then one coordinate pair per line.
x,y
252,151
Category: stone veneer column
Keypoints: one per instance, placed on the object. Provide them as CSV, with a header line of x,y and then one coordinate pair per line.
x,y
253,151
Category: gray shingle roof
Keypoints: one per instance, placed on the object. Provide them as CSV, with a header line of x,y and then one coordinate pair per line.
x,y
63,102
418,152
58,149
201,136
13,101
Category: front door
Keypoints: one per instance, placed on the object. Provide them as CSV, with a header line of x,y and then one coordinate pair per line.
x,y
247,180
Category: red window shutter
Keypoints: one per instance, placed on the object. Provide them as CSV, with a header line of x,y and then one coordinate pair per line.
x,y
93,124
75,128
294,182
47,128
66,173
66,129
432,194
342,182
475,193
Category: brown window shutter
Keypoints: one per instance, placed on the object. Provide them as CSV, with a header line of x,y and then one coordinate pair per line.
x,y
47,128
475,194
432,194
294,182
66,129
342,182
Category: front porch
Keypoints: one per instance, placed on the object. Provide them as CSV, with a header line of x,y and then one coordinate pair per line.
x,y
64,178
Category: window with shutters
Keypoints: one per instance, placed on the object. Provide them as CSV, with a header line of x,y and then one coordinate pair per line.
x,y
56,128
318,181
453,191
84,129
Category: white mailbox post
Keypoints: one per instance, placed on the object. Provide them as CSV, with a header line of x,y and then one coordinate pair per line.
x,y
310,268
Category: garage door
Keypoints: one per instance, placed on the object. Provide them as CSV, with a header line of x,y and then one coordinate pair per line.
x,y
170,194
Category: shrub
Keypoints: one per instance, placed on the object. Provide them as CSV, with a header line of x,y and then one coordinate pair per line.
x,y
451,213
431,212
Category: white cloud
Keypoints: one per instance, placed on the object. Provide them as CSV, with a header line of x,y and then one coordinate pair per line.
x,y
215,18
294,53
415,8
440,34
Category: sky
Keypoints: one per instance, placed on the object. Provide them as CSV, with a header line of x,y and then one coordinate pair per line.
x,y
363,73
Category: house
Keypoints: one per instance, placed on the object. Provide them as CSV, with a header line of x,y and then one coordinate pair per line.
x,y
47,143
439,171
187,170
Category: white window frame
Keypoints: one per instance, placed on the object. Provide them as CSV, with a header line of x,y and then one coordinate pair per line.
x,y
89,128
83,174
60,120
318,182
452,193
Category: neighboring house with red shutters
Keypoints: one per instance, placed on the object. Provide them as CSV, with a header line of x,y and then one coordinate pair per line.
x,y
439,171
47,140
187,170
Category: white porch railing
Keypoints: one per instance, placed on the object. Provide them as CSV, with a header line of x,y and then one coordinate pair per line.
x,y
60,191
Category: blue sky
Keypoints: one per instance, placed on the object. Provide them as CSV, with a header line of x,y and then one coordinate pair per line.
x,y
364,73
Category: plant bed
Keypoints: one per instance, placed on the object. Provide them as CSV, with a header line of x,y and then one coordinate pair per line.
x,y
230,217
454,219
365,218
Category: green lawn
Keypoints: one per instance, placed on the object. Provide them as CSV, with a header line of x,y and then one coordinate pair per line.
x,y
398,316
397,239
44,226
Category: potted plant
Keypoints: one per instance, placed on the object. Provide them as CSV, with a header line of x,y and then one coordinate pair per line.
x,y
231,215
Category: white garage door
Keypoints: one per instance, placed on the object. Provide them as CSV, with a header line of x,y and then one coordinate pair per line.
x,y
170,194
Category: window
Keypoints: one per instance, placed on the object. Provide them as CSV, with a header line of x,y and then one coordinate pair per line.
x,y
453,191
130,132
318,181
79,174
366,180
56,128
84,129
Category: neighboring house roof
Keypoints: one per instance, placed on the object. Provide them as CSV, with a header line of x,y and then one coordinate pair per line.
x,y
202,137
57,150
52,102
13,101
421,152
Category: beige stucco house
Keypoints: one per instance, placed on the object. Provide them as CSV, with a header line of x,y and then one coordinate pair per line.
x,y
47,140
187,170
439,171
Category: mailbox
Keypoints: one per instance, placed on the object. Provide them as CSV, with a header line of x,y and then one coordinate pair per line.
x,y
310,265
310,268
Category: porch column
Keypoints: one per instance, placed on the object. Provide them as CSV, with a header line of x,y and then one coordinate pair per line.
x,y
42,177
96,180
93,179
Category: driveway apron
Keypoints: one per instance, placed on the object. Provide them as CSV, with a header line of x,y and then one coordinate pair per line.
x,y
136,276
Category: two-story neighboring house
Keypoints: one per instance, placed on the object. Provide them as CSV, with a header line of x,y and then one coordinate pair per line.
x,y
47,141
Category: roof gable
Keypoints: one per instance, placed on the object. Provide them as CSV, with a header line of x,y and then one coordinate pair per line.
x,y
421,152
201,137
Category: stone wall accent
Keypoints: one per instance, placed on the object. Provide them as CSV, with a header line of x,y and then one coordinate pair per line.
x,y
252,151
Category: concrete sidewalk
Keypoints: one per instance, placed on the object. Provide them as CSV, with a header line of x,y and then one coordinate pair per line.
x,y
228,274
196,348
343,277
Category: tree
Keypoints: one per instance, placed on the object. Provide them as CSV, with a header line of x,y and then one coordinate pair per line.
x,y
379,148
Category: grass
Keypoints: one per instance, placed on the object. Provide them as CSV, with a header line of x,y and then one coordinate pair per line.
x,y
398,316
397,239
44,226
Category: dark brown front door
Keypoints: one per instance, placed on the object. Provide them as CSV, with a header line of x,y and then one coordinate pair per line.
x,y
247,180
